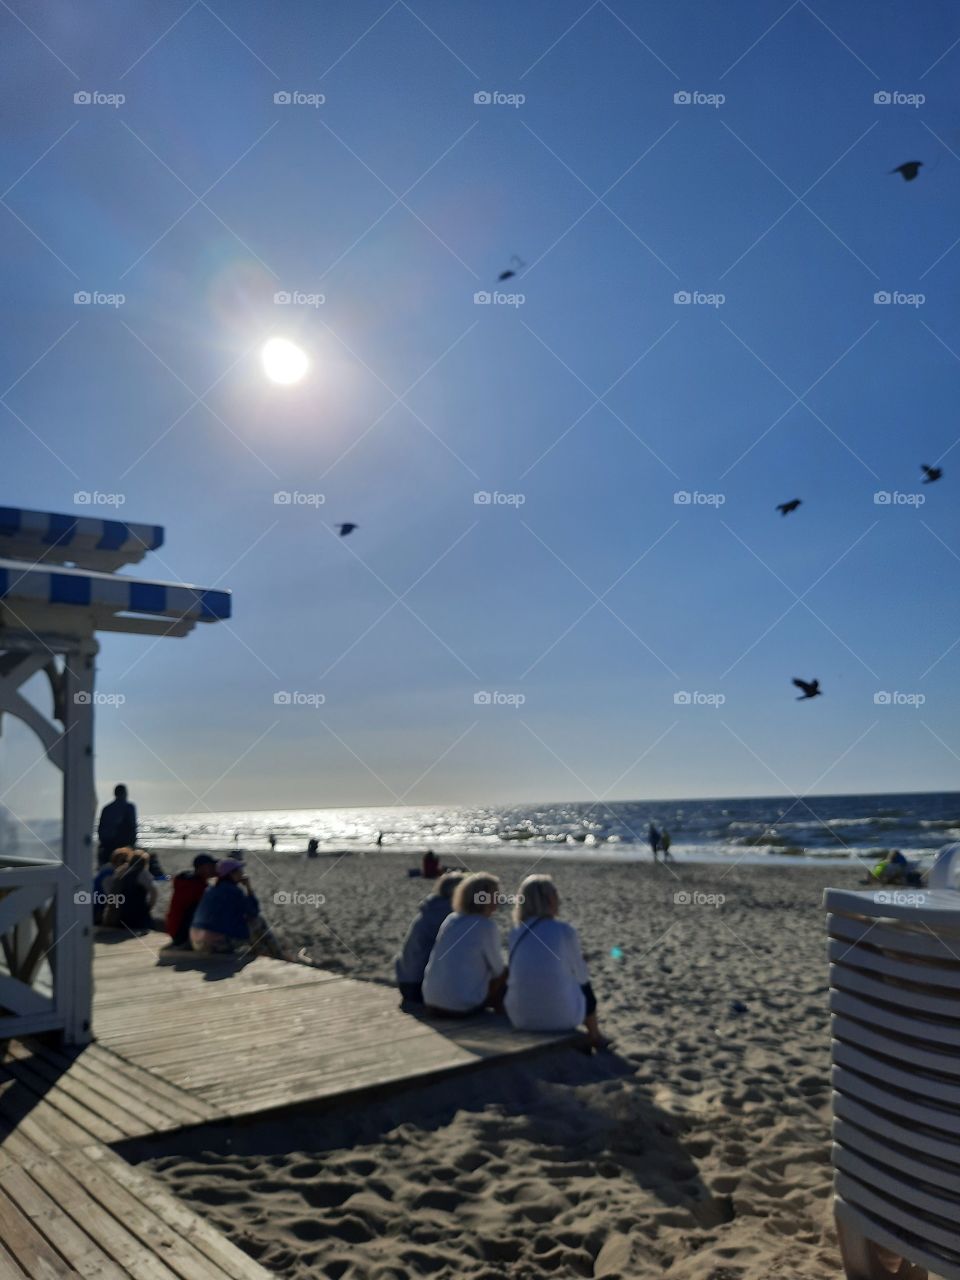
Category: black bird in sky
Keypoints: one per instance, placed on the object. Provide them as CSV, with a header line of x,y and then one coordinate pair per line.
x,y
346,528
909,169
786,507
511,271
930,473
811,689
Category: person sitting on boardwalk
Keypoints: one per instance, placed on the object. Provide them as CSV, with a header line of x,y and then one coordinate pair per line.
x,y
410,964
188,888
101,898
223,916
549,988
133,891
465,972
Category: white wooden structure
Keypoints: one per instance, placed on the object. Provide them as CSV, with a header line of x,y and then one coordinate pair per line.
x,y
58,588
895,1001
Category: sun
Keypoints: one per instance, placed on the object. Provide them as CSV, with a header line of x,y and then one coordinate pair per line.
x,y
283,361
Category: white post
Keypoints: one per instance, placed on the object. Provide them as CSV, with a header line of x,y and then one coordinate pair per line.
x,y
73,948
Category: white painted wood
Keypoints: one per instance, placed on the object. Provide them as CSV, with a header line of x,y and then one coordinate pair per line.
x,y
18,904
19,998
74,922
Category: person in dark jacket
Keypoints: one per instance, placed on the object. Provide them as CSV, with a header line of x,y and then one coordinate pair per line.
x,y
430,866
422,934
224,915
134,892
188,889
117,828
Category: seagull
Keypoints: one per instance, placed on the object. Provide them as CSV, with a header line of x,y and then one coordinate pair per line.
x,y
346,528
930,473
786,507
811,689
511,271
909,169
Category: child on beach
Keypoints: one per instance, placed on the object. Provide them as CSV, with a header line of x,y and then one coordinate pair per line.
x,y
549,987
465,972
410,964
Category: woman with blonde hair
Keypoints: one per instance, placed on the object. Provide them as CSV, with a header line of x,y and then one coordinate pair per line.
x,y
549,986
465,972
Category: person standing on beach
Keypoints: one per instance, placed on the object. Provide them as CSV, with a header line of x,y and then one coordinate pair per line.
x,y
653,836
117,828
272,841
665,845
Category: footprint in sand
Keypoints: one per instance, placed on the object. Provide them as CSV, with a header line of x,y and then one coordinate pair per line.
x,y
220,1195
352,1229
439,1198
307,1229
327,1195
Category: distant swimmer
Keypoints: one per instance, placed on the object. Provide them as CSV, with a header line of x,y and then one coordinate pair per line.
x,y
909,169
786,507
346,528
930,473
811,689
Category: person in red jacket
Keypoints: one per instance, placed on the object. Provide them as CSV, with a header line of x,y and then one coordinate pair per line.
x,y
188,888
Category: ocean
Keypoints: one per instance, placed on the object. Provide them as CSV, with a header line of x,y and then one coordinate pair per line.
x,y
834,828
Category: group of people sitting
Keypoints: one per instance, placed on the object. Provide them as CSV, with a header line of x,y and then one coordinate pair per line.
x,y
452,963
212,910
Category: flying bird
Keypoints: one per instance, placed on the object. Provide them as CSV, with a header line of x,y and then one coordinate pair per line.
x,y
786,507
346,528
512,270
909,169
930,473
811,689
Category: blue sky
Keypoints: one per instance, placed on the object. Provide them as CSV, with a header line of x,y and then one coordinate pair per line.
x,y
597,399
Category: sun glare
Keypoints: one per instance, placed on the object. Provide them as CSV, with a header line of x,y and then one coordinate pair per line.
x,y
283,361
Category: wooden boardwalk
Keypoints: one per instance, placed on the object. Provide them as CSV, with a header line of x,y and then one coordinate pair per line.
x,y
180,1045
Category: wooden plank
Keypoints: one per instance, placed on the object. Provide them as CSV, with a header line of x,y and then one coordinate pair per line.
x,y
23,1250
59,1230
75,1198
164,1094
58,1097
129,1121
45,1126
215,1247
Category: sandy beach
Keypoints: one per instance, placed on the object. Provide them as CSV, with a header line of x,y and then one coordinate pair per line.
x,y
699,1148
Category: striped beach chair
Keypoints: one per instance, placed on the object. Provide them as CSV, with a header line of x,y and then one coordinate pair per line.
x,y
895,1005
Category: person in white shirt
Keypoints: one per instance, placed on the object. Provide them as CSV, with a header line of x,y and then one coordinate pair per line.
x,y
465,972
549,987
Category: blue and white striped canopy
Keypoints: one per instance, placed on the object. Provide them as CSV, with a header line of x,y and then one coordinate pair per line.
x,y
52,585
49,535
